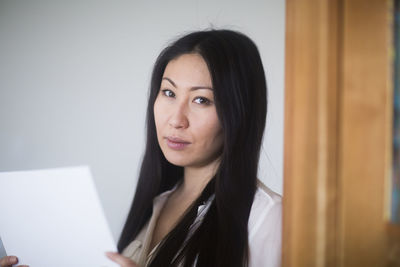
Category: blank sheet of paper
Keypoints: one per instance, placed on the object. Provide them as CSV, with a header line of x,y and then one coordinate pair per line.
x,y
54,218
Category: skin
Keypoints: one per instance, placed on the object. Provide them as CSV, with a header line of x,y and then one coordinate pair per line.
x,y
184,108
9,261
121,260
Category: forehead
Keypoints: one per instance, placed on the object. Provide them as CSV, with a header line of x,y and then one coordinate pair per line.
x,y
188,69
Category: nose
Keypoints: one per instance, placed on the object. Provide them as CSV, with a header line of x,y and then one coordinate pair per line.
x,y
178,118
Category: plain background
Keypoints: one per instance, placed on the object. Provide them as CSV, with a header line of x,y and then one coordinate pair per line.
x,y
74,77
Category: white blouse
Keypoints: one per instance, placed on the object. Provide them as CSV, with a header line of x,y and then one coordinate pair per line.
x,y
264,228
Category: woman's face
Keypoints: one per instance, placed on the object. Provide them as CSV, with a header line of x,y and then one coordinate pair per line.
x,y
188,129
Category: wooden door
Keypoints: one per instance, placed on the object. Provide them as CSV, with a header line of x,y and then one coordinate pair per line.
x,y
338,119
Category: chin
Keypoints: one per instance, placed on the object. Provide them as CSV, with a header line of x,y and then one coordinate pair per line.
x,y
186,159
187,162
178,161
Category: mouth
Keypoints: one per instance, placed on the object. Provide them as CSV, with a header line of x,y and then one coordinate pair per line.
x,y
176,143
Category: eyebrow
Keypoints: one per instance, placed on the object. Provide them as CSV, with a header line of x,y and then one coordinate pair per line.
x,y
191,88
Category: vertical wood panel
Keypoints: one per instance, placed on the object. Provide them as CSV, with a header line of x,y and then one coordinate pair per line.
x,y
310,133
337,133
364,132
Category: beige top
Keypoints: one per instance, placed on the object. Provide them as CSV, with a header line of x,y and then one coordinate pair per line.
x,y
264,227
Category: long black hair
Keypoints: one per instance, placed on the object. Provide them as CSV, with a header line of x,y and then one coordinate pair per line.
x,y
240,95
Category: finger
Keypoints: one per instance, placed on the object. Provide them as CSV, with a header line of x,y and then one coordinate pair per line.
x,y
121,260
8,261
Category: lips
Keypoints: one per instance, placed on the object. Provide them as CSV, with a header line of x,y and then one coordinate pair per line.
x,y
176,143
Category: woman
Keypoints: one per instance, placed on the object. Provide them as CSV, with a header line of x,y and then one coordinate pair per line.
x,y
205,121
198,201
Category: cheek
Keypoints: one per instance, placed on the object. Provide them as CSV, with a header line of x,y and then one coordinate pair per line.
x,y
158,114
209,130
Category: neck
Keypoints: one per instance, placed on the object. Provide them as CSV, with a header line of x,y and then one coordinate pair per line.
x,y
195,179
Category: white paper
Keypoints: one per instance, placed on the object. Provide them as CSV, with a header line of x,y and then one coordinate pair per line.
x,y
54,218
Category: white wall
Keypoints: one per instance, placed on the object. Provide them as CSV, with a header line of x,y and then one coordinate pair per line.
x,y
74,77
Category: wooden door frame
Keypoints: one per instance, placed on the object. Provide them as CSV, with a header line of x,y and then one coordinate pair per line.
x,y
338,117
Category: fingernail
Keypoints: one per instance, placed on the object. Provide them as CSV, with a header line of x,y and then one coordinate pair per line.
x,y
14,259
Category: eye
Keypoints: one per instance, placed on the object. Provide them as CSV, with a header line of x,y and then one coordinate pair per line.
x,y
202,101
168,93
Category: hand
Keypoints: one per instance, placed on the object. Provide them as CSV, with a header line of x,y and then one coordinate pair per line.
x,y
118,258
9,261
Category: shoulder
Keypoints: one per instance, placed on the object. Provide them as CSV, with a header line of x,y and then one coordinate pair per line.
x,y
265,201
266,211
266,196
265,228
